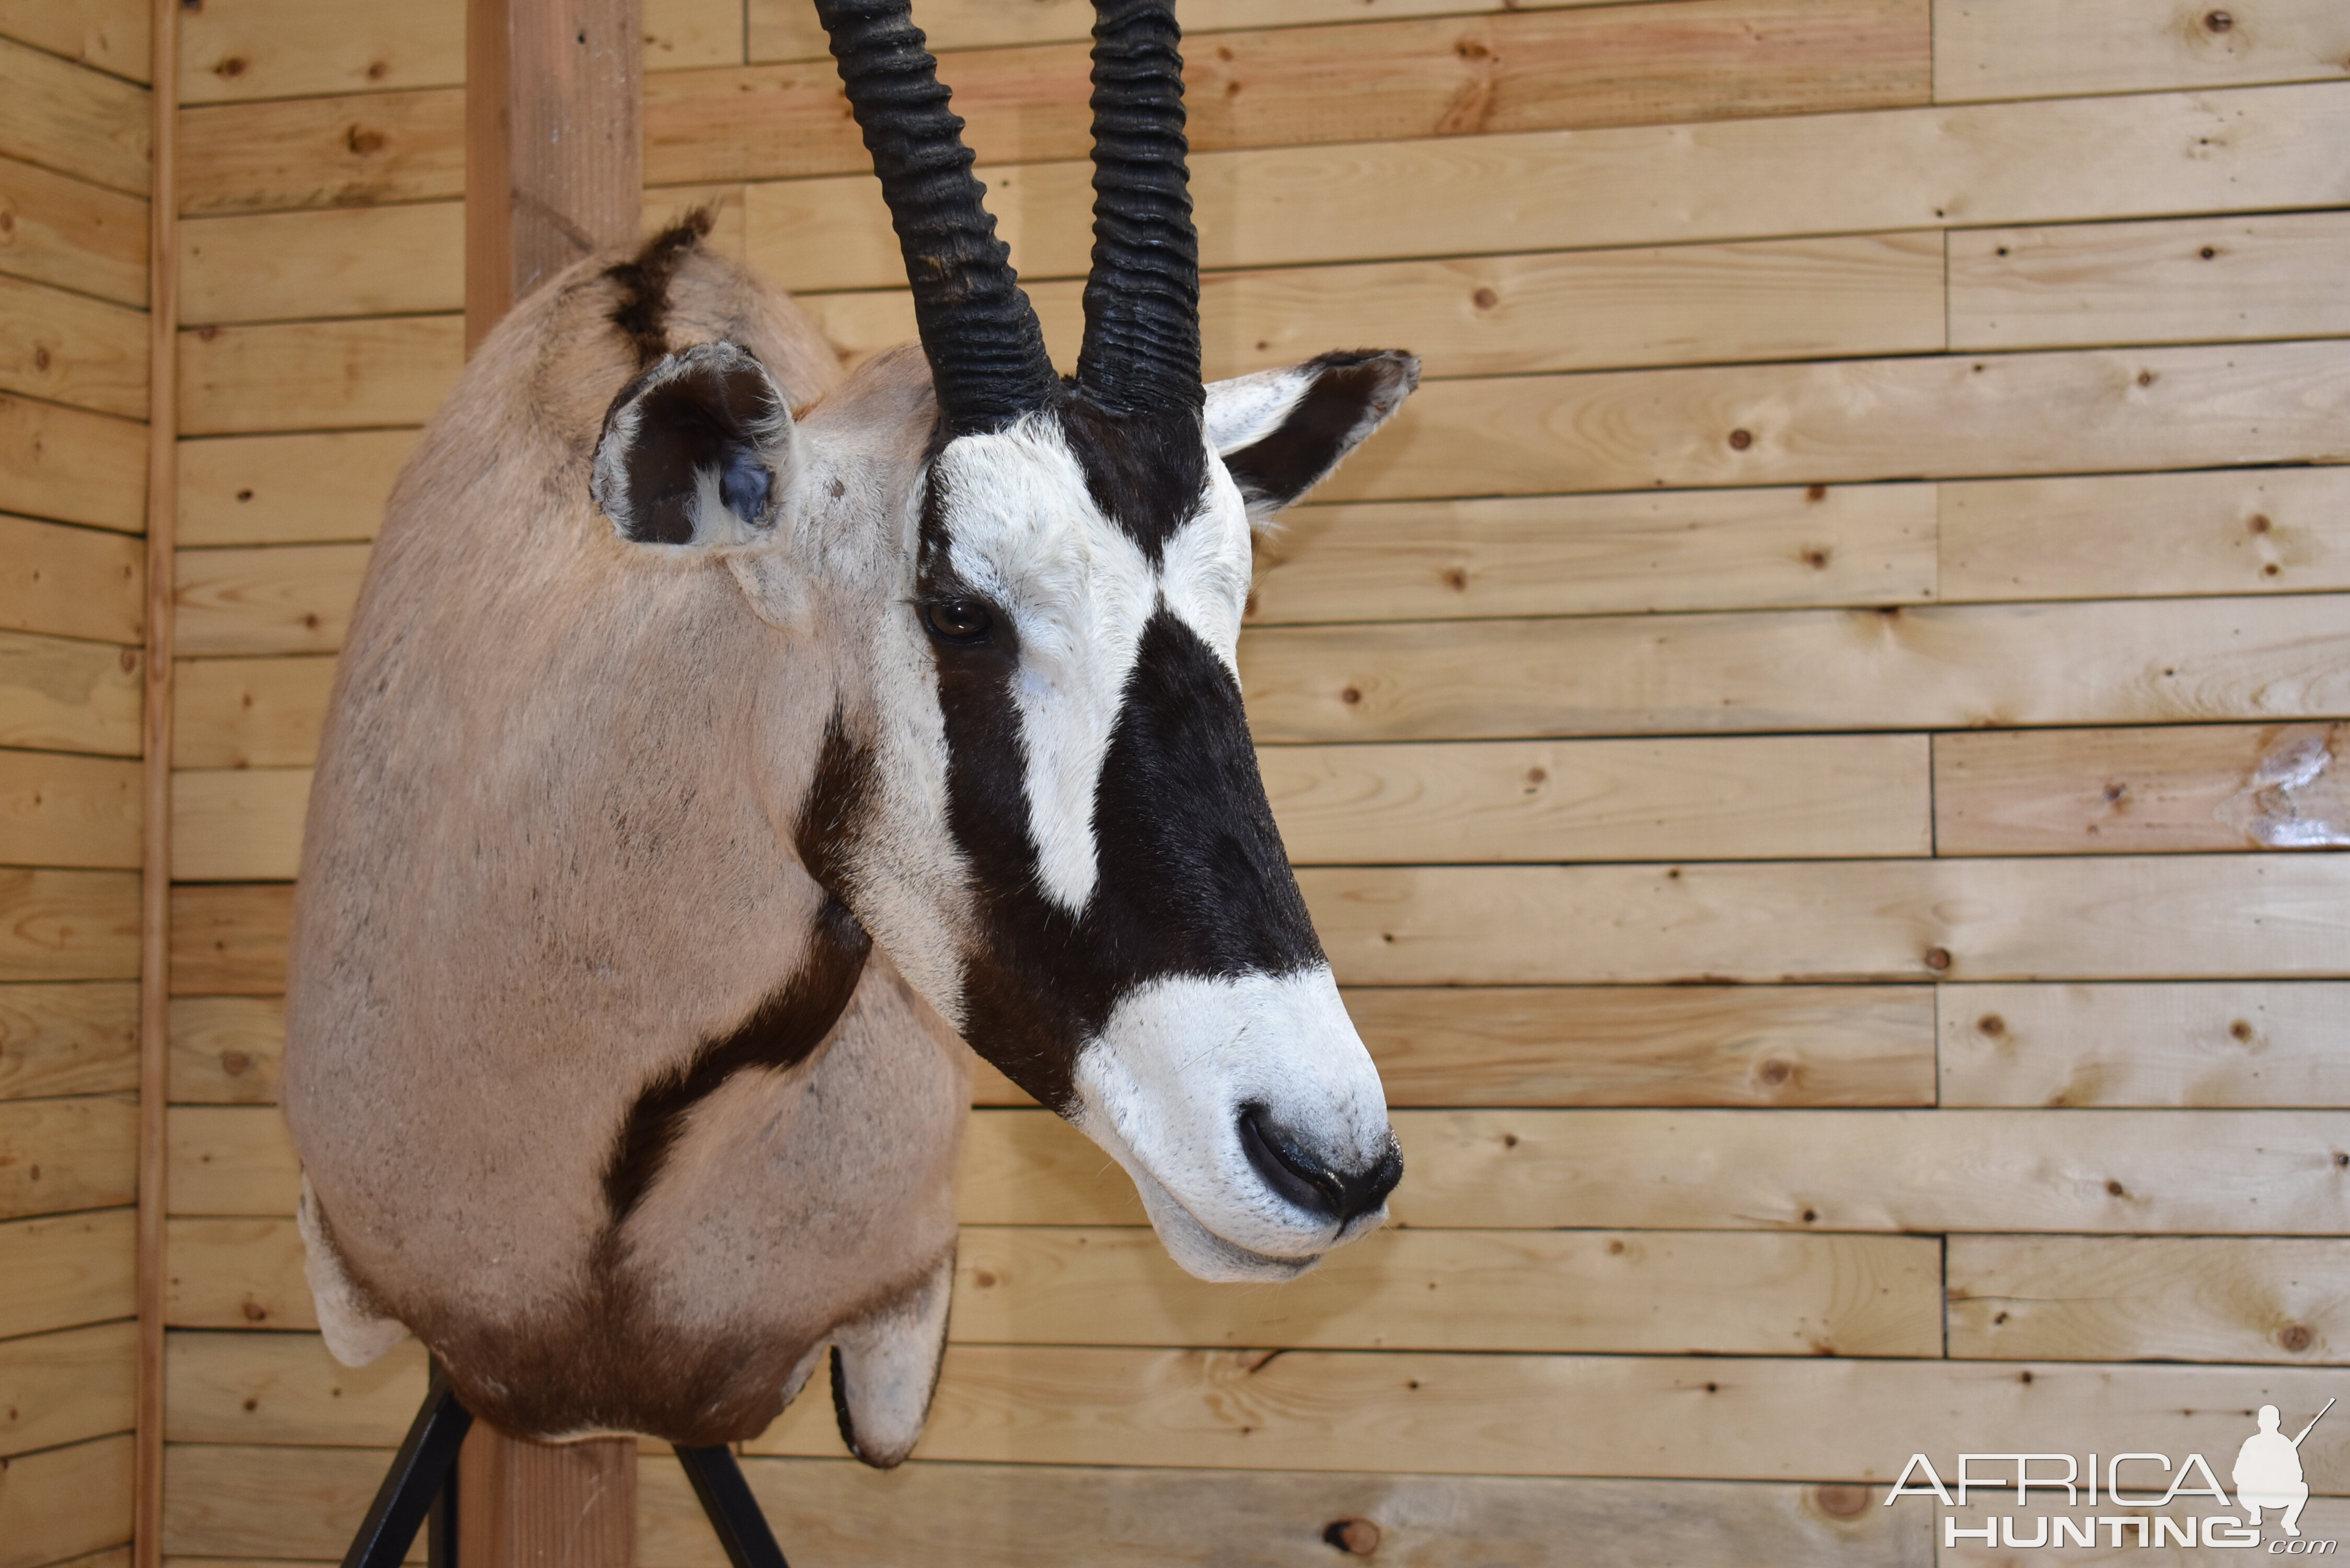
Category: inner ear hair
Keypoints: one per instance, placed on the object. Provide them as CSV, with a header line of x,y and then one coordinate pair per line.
x,y
1334,402
696,452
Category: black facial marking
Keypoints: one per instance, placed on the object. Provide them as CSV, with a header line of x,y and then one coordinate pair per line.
x,y
1350,394
703,419
834,812
642,313
1147,472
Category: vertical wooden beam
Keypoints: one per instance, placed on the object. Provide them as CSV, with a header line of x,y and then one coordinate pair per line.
x,y
553,170
554,142
155,850
545,1505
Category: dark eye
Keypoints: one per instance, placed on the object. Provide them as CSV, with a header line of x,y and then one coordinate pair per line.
x,y
958,620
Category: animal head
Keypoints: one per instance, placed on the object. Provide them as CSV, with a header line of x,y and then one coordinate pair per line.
x,y
1039,793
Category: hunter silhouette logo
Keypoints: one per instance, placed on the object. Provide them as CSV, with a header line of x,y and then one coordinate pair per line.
x,y
2267,1475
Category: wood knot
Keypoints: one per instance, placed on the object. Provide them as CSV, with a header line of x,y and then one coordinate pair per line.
x,y
2258,523
1776,1072
1816,557
244,495
254,1311
230,68
2208,253
2296,1338
1816,492
1350,696
2240,1032
1993,1025
1810,1216
1740,440
1615,1246
1456,579
2116,792
1841,1500
363,141
378,69
1509,1141
2115,1189
234,1063
41,358
1998,1318
1537,776
1356,1537
2146,378
983,1278
1938,959
2217,21
2340,1159
1485,299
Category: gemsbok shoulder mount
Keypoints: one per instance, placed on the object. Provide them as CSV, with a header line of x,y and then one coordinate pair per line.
x,y
719,737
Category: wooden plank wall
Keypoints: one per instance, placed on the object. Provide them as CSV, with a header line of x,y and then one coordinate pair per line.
x,y
1812,745
75,125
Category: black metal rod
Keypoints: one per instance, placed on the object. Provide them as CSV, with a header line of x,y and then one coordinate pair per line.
x,y
733,1513
426,1459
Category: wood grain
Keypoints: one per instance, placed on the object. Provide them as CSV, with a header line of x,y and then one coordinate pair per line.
x,y
2183,1298
71,466
287,489
257,1502
1767,1418
1582,555
67,924
2178,787
2248,149
251,713
2013,48
69,695
68,1271
317,375
57,1156
337,260
1955,667
66,1386
72,234
237,1273
1757,798
232,824
2222,1043
67,1039
1013,1516
225,1050
359,150
71,582
65,1503
2182,282
229,1161
284,598
73,120
110,35
1649,1046
73,349
57,810
527,1503
2235,531
1851,420
229,940
2183,917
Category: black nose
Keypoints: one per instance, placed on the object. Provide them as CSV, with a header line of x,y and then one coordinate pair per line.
x,y
1311,1183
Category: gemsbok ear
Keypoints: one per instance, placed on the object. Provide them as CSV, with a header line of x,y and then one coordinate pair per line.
x,y
1282,432
697,452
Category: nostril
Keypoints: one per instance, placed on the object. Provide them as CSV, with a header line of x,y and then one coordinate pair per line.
x,y
1308,1182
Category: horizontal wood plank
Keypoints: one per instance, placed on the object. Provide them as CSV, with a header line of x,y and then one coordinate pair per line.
x,y
2176,787
232,824
285,1388
59,810
68,1271
1649,1046
1947,667
60,1156
72,465
2182,917
2233,531
62,694
341,261
111,35
2182,282
1816,1418
73,120
72,234
233,1161
70,349
2246,151
65,1503
72,582
1673,61
2016,48
321,375
1757,798
67,924
269,1503
67,1039
2221,1044
2170,1298
236,1273
354,150
282,598
1583,555
1850,420
225,1050
287,489
67,1386
229,939
250,713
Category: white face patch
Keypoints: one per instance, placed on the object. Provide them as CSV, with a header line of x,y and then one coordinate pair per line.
x,y
1162,1088
1025,531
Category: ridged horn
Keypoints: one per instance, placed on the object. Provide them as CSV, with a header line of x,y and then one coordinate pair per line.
x,y
1142,351
987,350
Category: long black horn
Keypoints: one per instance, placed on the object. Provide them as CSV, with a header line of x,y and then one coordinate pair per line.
x,y
986,351
1142,351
